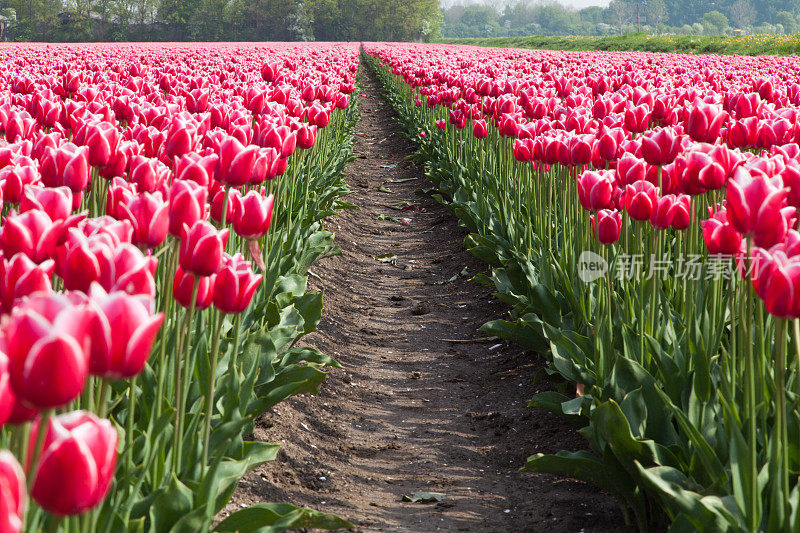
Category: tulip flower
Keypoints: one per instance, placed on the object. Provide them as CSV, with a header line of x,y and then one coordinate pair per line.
x,y
704,122
641,199
19,276
672,211
187,205
660,148
149,175
236,162
201,249
479,129
235,285
149,216
595,189
754,207
13,495
606,225
77,463
197,168
46,345
779,286
33,233
306,136
122,333
14,179
252,214
183,285
67,165
102,140
719,235
56,202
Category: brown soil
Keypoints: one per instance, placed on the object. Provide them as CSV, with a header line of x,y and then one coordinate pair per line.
x,y
414,410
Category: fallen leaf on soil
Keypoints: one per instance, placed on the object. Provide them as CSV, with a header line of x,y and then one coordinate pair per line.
x,y
387,217
383,189
424,497
386,258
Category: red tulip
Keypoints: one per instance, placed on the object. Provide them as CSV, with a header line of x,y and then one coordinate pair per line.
x,y
123,331
67,165
252,214
77,463
56,202
183,284
779,286
479,129
704,122
46,345
641,199
201,249
595,189
102,139
754,207
149,175
306,136
236,162
235,285
187,205
149,215
660,147
32,233
606,225
13,495
719,235
637,118
672,211
19,276
14,179
197,168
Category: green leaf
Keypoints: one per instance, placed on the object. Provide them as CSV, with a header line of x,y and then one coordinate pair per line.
x,y
274,517
172,503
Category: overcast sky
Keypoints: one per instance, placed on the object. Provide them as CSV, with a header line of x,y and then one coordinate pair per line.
x,y
577,4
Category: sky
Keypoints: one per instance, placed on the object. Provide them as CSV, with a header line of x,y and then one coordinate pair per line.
x,y
577,4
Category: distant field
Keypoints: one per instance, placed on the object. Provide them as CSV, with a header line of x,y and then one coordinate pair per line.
x,y
743,45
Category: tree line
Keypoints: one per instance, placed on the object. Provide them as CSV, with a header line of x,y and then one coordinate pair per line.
x,y
547,17
221,20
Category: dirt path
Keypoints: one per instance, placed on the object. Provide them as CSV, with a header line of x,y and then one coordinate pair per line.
x,y
413,411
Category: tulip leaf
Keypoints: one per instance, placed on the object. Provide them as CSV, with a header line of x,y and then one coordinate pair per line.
x,y
170,504
275,517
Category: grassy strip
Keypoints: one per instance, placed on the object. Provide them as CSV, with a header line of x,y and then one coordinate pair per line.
x,y
688,44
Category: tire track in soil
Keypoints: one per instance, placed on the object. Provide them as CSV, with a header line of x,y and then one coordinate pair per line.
x,y
412,411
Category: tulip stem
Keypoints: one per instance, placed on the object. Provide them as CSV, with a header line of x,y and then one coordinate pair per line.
x,y
224,215
129,423
33,460
210,395
101,408
182,357
796,326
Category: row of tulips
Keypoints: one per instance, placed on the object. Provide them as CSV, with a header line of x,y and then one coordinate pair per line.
x,y
678,178
161,207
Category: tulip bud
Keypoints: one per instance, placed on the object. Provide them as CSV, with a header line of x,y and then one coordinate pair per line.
x,y
754,207
672,211
20,277
32,233
720,236
480,130
102,139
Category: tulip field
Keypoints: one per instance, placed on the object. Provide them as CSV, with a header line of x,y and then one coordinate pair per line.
x,y
640,215
161,208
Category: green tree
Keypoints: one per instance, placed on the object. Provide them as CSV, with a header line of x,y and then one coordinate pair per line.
x,y
787,20
656,13
714,23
